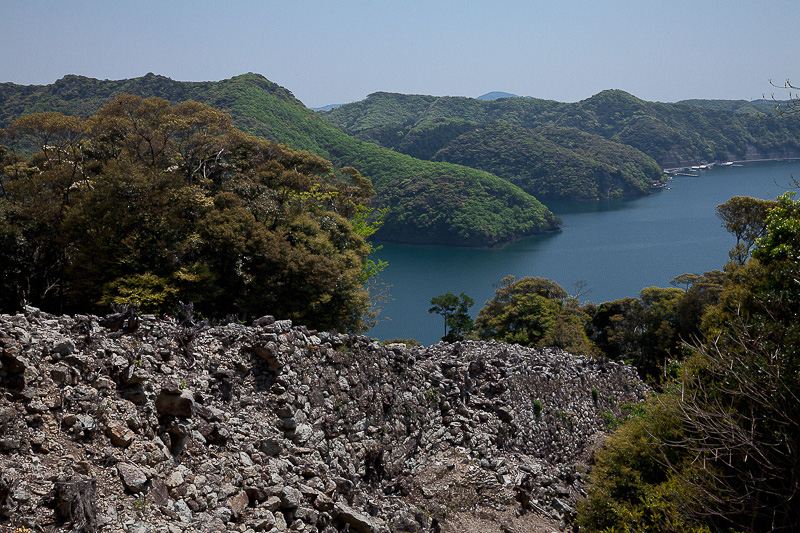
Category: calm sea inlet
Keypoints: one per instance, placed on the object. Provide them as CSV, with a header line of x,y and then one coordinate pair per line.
x,y
617,247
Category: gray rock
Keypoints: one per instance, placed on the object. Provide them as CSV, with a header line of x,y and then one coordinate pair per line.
x,y
62,374
135,394
280,521
7,414
238,504
262,523
8,444
132,477
307,515
302,433
63,348
270,446
174,479
290,498
404,521
273,503
269,353
282,326
357,521
180,405
285,410
323,503
139,527
15,363
120,435
266,320
224,513
36,406
561,507
183,511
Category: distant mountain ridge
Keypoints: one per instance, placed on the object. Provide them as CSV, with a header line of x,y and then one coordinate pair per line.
x,y
415,148
673,135
496,95
426,202
563,164
742,107
325,107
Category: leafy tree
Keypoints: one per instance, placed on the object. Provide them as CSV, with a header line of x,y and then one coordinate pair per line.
x,y
631,489
615,327
650,331
701,295
781,243
462,206
741,413
455,311
534,312
745,218
721,445
157,203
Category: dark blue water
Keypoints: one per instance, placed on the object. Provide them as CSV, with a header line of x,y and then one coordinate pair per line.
x,y
617,247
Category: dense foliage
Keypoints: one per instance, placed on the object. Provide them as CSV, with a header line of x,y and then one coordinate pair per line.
x,y
554,163
743,107
427,202
649,331
151,203
455,312
674,135
718,450
534,312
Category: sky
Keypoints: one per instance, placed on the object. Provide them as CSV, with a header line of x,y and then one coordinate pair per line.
x,y
333,52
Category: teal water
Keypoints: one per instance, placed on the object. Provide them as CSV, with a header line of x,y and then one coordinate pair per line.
x,y
617,247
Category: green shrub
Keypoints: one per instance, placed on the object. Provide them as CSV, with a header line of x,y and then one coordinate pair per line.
x,y
631,488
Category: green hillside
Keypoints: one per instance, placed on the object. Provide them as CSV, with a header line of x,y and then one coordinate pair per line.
x,y
743,107
676,135
404,112
671,134
425,201
512,138
555,163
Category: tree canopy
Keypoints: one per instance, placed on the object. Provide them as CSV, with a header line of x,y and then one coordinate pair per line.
x,y
534,312
718,449
746,219
674,135
455,311
154,203
428,202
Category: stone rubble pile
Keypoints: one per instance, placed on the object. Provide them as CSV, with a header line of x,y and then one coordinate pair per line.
x,y
138,424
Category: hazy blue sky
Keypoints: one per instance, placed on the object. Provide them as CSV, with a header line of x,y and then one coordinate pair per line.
x,y
328,51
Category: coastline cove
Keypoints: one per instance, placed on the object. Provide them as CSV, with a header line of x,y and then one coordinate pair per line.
x,y
615,248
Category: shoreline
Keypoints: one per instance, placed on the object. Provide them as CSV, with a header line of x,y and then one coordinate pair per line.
x,y
707,166
672,172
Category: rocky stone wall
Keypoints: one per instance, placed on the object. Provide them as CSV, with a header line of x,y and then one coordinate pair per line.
x,y
133,423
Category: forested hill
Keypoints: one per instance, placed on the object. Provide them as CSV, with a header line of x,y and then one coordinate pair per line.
x,y
672,134
760,107
430,202
554,163
506,137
